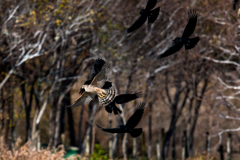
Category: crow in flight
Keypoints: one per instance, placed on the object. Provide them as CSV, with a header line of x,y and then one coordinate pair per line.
x,y
120,99
184,40
144,14
234,4
132,122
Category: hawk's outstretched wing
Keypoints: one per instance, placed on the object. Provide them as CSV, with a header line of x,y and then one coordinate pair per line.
x,y
83,99
102,76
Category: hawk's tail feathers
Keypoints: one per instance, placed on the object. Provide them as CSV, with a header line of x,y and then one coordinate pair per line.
x,y
136,132
108,98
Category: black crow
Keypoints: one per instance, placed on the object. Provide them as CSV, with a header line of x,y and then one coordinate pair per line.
x,y
184,40
144,14
120,99
132,122
234,4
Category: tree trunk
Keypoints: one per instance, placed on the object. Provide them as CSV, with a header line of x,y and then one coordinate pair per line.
x,y
174,145
150,130
72,136
92,110
24,101
80,131
143,145
110,143
125,146
229,146
184,146
135,147
195,117
52,119
158,147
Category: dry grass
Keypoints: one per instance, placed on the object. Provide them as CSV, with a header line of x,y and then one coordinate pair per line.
x,y
27,152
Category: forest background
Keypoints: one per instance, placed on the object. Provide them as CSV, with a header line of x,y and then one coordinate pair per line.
x,y
47,51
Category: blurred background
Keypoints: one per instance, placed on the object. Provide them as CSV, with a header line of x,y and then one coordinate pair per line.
x,y
47,52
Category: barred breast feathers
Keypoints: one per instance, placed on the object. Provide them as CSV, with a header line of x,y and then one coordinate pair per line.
x,y
108,98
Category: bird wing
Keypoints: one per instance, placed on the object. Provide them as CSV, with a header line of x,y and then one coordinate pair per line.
x,y
136,117
191,25
137,24
192,42
124,98
174,48
151,4
107,85
102,76
111,130
153,16
83,99
98,64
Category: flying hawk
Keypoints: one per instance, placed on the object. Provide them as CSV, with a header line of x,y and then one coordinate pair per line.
x,y
89,91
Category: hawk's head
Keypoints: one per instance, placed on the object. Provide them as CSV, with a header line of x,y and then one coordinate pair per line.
x,y
82,89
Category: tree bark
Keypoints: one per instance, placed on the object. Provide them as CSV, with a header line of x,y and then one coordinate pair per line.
x,y
195,117
150,130
92,110
80,131
174,145
110,143
72,136
26,107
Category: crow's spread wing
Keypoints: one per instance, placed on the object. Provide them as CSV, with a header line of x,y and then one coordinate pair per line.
x,y
99,63
136,117
151,4
111,130
124,98
174,48
191,25
137,24
107,85
153,16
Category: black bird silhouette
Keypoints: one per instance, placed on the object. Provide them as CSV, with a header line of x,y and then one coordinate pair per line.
x,y
234,4
184,40
120,99
132,122
144,14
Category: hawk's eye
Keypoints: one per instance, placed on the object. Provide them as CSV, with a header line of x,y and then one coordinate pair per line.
x,y
81,91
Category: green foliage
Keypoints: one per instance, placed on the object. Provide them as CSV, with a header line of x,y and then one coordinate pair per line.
x,y
98,153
